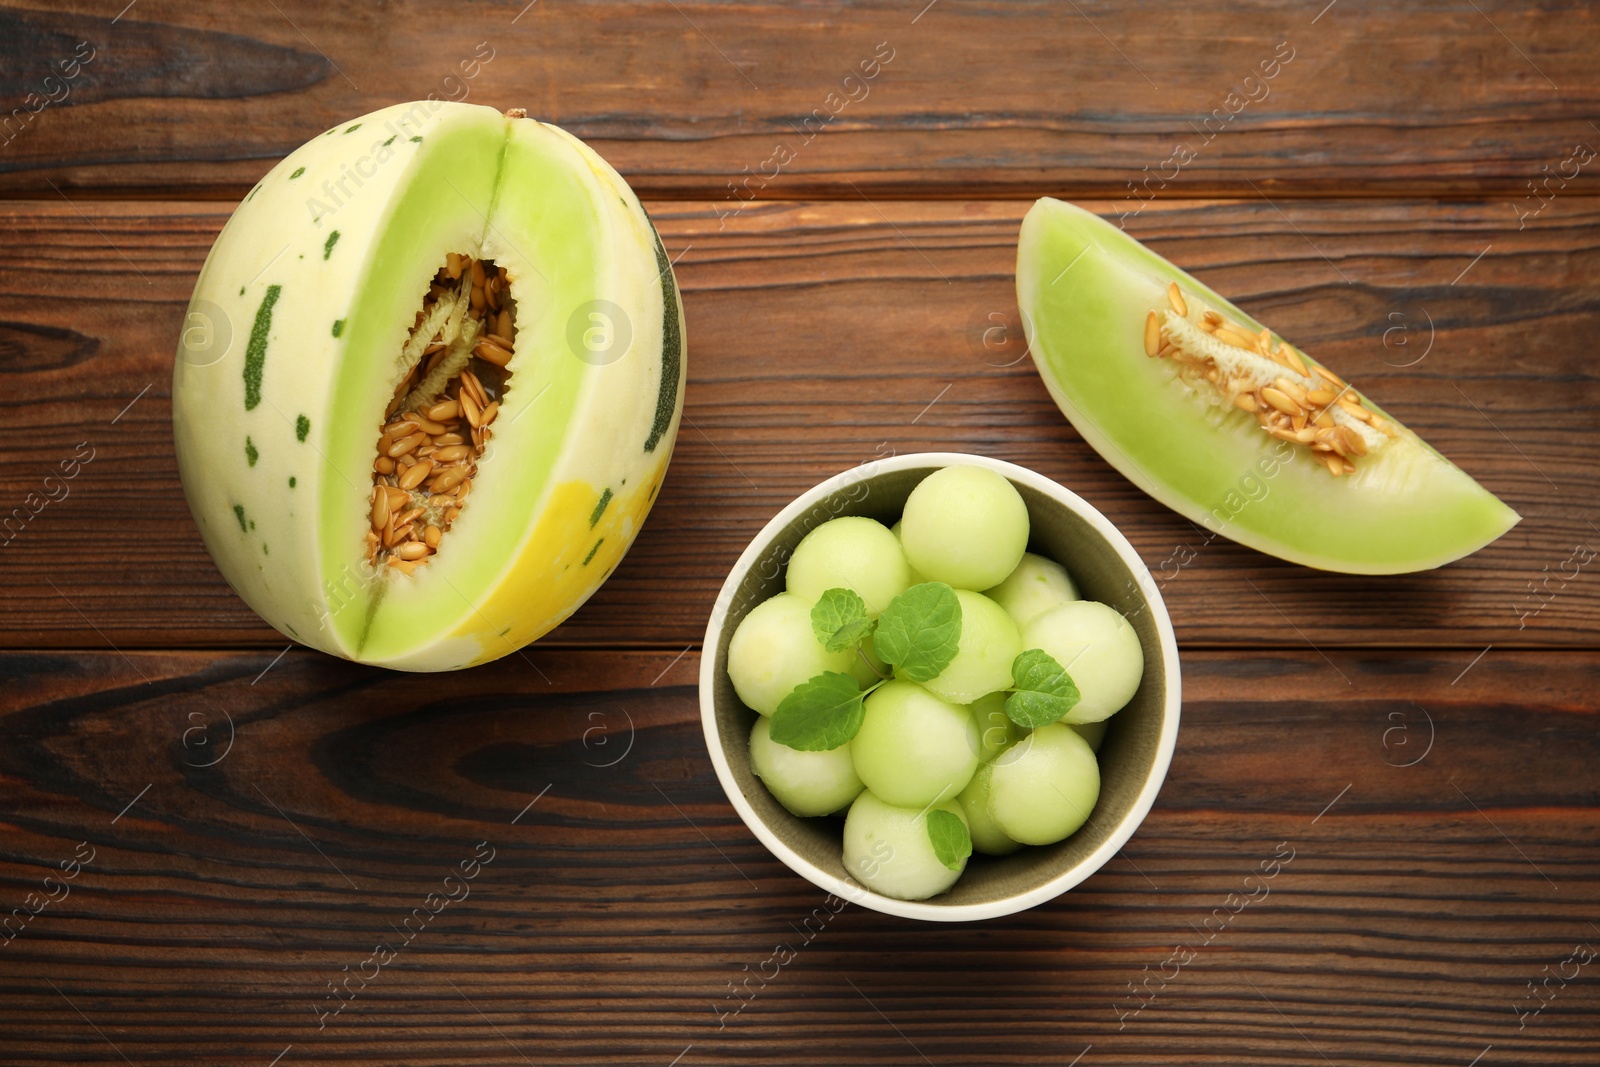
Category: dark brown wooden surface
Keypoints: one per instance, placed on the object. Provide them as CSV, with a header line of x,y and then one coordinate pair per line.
x,y
991,98
825,334
1426,745
1438,837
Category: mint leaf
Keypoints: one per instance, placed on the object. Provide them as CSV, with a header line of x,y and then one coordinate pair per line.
x,y
1045,691
952,844
820,714
1036,670
919,631
839,619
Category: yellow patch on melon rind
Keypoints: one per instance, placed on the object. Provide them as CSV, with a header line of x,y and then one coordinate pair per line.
x,y
550,578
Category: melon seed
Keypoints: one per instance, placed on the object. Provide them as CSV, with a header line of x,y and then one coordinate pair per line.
x,y
1175,298
1301,411
428,447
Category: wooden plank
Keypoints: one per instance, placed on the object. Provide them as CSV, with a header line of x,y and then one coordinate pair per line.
x,y
823,335
1435,838
692,99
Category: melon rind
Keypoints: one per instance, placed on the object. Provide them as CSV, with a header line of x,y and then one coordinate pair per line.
x,y
1085,288
581,444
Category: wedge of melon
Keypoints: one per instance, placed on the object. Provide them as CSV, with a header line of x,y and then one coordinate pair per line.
x,y
365,282
1220,419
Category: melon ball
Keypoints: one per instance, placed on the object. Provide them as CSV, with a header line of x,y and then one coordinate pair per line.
x,y
1037,585
1092,732
996,731
989,642
916,576
887,849
913,748
1045,786
1098,648
774,649
966,526
807,783
851,552
987,837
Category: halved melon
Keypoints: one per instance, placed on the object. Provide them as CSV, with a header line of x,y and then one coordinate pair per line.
x,y
1223,421
431,299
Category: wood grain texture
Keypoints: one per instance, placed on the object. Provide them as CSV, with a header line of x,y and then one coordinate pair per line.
x,y
1435,838
1413,758
135,59
825,334
689,100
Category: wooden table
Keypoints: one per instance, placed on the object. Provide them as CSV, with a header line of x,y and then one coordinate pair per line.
x,y
245,821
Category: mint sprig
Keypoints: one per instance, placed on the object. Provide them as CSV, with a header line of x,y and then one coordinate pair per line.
x,y
918,633
920,630
1045,692
840,619
951,841
821,714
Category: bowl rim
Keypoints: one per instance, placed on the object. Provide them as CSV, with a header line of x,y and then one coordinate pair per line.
x,y
852,891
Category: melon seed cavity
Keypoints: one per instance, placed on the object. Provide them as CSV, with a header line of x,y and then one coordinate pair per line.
x,y
1291,400
438,423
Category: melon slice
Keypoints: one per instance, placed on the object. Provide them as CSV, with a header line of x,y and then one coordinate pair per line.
x,y
428,386
1223,421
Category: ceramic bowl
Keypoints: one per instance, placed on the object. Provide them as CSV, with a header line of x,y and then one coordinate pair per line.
x,y
1133,757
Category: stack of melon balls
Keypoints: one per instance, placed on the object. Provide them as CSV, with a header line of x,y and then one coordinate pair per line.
x,y
946,744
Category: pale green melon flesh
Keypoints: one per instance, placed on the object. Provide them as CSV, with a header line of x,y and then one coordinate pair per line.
x,y
1085,289
547,229
442,208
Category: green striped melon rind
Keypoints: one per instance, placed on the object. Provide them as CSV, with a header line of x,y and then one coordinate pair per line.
x,y
290,355
1085,287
